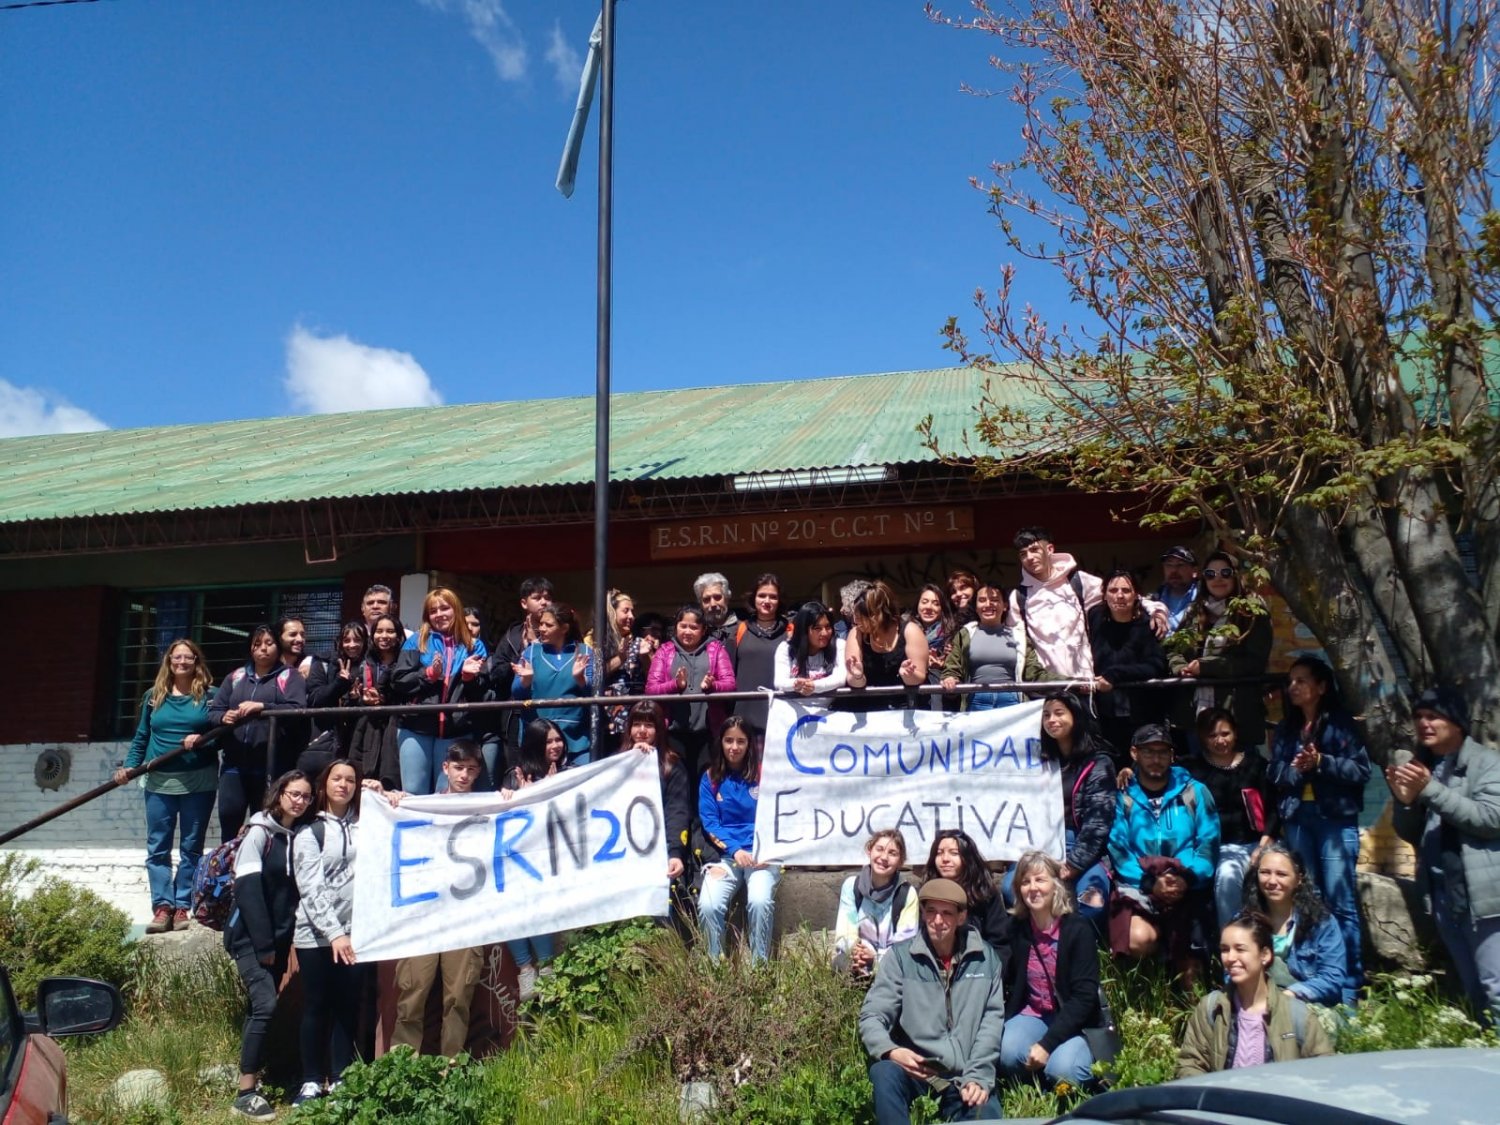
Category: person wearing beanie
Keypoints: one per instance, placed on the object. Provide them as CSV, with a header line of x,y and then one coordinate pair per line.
x,y
933,1019
1448,807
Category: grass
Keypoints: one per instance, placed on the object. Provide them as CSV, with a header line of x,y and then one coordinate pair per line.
x,y
632,1014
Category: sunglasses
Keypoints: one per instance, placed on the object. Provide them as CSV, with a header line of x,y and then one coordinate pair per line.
x,y
1225,572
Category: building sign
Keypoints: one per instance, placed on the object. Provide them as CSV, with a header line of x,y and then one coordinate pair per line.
x,y
806,531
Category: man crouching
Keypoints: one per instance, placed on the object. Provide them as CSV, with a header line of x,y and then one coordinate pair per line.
x,y
933,1018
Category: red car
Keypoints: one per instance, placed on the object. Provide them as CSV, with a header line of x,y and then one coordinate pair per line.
x,y
33,1072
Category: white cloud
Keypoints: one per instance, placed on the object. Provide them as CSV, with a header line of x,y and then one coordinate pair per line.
x,y
493,30
329,374
26,410
567,64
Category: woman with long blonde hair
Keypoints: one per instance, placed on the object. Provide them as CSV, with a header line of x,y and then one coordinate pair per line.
x,y
179,793
442,662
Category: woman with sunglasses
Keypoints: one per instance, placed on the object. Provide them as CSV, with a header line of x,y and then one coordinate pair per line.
x,y
1226,635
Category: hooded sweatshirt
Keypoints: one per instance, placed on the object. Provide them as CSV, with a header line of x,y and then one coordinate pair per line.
x,y
1054,618
265,891
325,879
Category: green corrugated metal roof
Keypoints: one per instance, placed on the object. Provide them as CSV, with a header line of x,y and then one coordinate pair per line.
x,y
704,431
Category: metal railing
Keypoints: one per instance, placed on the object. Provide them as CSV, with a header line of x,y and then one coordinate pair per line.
x,y
1040,687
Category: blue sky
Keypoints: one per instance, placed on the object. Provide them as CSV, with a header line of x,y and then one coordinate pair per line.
x,y
228,210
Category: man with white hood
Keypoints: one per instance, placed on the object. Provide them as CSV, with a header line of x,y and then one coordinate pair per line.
x,y
1052,604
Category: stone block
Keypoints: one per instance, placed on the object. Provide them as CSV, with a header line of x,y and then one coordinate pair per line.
x,y
1398,933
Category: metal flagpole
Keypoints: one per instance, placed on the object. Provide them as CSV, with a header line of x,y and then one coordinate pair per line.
x,y
600,67
602,356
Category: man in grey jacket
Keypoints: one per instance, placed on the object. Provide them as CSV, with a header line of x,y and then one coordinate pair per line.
x,y
1448,806
932,1019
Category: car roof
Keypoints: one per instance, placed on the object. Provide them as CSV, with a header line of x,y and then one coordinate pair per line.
x,y
1441,1086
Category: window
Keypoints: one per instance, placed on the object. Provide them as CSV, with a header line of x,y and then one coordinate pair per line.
x,y
220,620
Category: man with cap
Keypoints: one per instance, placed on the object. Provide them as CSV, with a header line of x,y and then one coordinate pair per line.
x,y
1448,807
933,1018
1162,844
1179,590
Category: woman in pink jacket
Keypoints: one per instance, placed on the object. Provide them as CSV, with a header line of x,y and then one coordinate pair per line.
x,y
692,664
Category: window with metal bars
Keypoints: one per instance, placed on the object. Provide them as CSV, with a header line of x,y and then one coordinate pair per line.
x,y
221,620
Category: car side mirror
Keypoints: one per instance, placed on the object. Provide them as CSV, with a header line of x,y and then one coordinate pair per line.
x,y
77,1006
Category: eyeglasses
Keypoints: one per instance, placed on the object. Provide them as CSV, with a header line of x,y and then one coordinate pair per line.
x,y
300,798
1225,572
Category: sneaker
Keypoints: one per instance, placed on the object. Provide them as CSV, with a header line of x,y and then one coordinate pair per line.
x,y
307,1092
180,919
526,982
252,1104
161,920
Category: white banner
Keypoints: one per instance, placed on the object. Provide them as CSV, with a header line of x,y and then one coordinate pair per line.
x,y
450,871
830,778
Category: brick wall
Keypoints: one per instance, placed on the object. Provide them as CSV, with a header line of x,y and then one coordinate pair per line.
x,y
100,845
68,644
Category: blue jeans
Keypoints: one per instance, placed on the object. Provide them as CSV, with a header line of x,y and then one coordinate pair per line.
x,y
1229,880
1474,948
992,700
538,948
895,1090
164,813
1330,848
421,757
1096,878
760,904
1070,1061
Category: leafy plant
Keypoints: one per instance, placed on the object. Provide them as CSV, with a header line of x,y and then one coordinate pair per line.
x,y
58,929
1404,1011
598,967
402,1088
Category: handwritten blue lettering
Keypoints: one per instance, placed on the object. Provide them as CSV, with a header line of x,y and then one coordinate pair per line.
x,y
398,861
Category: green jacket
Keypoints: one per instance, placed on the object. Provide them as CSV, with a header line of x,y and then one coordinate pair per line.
x,y
956,664
1247,656
1205,1044
957,1020
1470,802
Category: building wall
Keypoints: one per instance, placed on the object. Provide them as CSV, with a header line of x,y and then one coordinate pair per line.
x,y
67,654
100,845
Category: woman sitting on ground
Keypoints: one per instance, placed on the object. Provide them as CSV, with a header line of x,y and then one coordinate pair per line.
x,y
1309,946
727,796
877,907
811,659
1052,983
1250,1022
955,856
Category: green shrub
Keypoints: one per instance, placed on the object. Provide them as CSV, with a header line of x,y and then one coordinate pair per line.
x,y
205,988
402,1088
59,929
598,967
1403,1011
807,1095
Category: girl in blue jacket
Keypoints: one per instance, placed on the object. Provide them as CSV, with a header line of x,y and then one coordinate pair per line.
x,y
1309,946
727,795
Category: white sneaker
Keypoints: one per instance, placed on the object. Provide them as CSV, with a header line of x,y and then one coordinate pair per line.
x,y
308,1092
526,982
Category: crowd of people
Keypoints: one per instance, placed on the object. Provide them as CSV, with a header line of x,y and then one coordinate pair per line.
x,y
1197,831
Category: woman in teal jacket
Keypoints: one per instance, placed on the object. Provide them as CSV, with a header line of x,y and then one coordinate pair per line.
x,y
179,793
